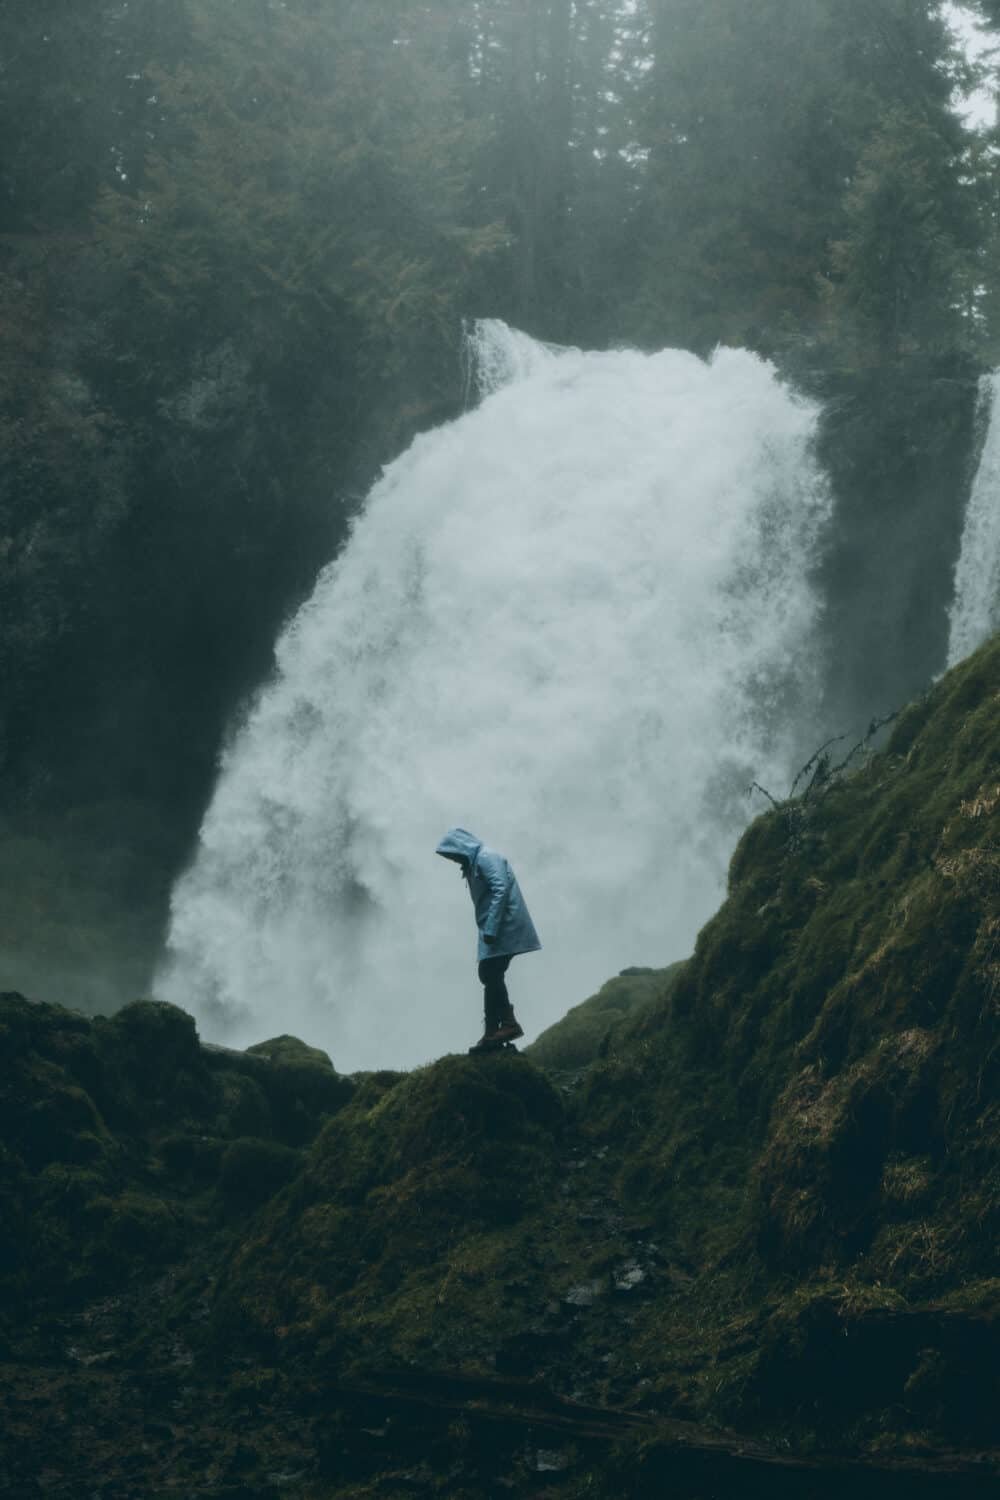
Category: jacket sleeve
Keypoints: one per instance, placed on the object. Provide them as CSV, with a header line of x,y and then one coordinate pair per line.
x,y
497,876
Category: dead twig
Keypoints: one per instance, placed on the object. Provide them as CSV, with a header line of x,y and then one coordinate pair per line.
x,y
825,774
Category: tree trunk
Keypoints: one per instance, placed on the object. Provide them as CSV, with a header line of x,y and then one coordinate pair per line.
x,y
522,107
540,113
554,156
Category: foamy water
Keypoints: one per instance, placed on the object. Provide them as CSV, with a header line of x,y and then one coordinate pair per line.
x,y
975,612
577,621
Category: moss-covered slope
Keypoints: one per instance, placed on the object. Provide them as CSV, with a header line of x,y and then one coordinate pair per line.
x,y
836,1033
586,1032
788,1151
812,1110
126,1144
761,1189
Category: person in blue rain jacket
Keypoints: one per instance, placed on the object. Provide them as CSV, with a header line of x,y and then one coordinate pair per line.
x,y
505,928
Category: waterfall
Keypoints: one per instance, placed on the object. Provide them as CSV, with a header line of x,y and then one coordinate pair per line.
x,y
975,611
578,621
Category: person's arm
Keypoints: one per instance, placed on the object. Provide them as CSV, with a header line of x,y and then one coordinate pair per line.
x,y
495,872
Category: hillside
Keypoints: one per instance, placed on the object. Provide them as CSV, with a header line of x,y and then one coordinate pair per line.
x,y
750,1246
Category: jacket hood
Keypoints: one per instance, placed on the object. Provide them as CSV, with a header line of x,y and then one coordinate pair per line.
x,y
458,843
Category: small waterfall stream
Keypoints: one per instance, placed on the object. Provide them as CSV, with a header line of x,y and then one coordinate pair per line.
x,y
975,611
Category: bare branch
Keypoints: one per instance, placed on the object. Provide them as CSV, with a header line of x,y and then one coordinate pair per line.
x,y
813,760
755,786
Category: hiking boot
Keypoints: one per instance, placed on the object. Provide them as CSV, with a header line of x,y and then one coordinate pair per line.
x,y
508,1031
495,1042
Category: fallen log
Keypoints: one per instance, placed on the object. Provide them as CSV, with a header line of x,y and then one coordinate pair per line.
x,y
667,1456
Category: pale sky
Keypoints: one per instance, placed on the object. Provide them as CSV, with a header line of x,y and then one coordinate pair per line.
x,y
980,108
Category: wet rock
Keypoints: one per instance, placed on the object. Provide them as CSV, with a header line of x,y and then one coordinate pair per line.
x,y
629,1277
549,1461
585,1295
78,1357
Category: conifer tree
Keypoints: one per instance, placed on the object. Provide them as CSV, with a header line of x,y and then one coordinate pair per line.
x,y
904,266
759,119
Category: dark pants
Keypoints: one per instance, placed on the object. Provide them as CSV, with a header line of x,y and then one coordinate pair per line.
x,y
496,1001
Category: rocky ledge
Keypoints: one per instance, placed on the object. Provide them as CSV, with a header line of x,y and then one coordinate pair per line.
x,y
729,1229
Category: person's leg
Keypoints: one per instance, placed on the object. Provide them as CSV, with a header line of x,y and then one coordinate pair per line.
x,y
496,1002
501,1022
509,1029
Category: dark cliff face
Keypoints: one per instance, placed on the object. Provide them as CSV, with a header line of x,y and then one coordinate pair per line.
x,y
760,1190
901,451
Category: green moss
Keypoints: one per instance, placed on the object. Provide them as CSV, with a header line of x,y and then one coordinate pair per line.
x,y
578,1039
288,1049
412,1169
197,1156
280,1087
133,1228
64,1125
116,1135
252,1171
243,1108
153,1068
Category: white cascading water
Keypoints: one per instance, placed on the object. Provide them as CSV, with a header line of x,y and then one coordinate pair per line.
x,y
577,621
975,611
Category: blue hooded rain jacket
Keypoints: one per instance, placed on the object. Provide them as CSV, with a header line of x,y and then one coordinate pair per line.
x,y
496,895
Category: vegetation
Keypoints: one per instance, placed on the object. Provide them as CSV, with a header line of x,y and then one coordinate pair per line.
x,y
586,1031
768,1200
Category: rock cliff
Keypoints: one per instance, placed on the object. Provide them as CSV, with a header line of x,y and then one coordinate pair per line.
x,y
727,1229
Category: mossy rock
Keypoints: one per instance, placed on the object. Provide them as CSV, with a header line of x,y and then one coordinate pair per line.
x,y
863,1360
483,1114
463,1105
413,1167
154,1068
161,1037
577,1040
289,1049
15,1190
298,1085
822,1173
64,1186
243,1107
26,1025
132,1230
197,1156
252,1171
64,1125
